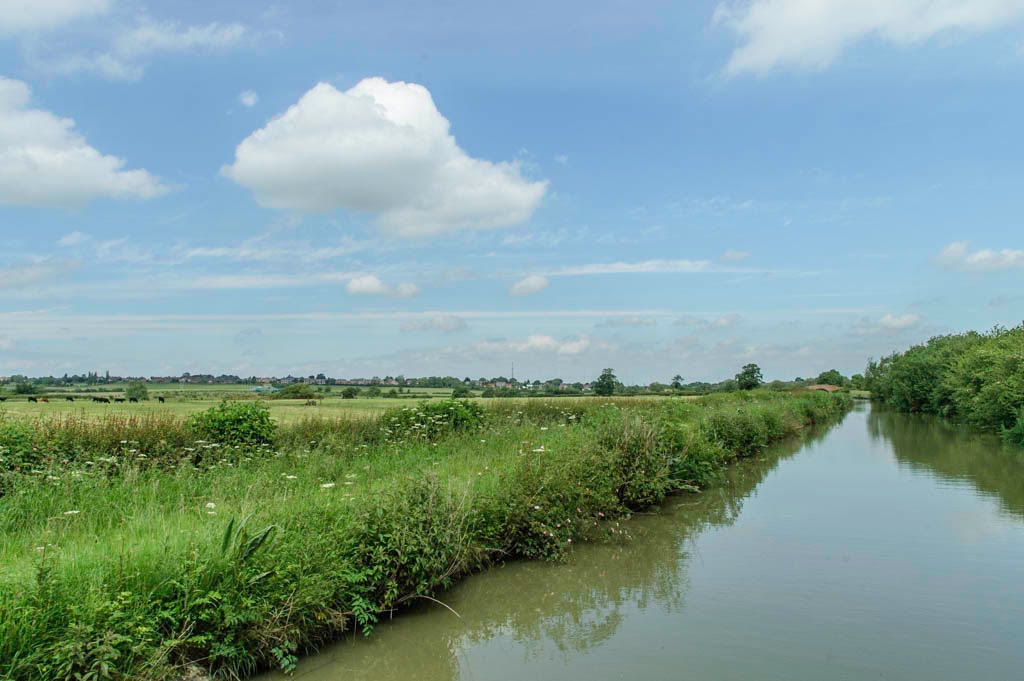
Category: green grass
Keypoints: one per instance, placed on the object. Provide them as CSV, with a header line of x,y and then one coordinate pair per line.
x,y
128,549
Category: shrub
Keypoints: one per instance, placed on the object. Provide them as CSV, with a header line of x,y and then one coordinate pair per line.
x,y
1015,434
296,391
431,420
137,391
234,423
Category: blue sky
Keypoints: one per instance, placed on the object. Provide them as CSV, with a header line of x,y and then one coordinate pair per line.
x,y
411,188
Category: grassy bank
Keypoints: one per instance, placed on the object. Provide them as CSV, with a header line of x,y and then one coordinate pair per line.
x,y
135,549
972,378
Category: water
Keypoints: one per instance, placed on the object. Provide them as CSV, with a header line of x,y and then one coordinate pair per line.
x,y
889,547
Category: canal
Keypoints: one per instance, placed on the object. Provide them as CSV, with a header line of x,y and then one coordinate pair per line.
x,y
889,546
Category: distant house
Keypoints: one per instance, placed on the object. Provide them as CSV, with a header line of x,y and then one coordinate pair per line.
x,y
824,387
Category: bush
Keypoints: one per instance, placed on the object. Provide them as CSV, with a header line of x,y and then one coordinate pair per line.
x,y
296,391
137,391
349,393
234,423
432,420
1015,435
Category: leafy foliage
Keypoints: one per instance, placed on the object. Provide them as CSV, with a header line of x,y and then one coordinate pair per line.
x,y
974,378
749,377
234,423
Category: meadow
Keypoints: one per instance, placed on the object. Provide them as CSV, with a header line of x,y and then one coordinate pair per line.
x,y
158,547
183,400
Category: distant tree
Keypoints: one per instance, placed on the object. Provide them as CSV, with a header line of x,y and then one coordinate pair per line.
x,y
831,377
749,377
137,391
373,391
677,382
297,391
460,392
349,393
606,383
24,388
857,382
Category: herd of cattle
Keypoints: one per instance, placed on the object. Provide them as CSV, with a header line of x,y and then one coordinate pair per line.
x,y
101,400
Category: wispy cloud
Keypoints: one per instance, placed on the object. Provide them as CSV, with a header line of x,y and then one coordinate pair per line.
x,y
371,285
795,33
527,286
446,323
957,256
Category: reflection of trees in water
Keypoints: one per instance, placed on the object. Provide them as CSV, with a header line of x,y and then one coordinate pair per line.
x,y
572,606
928,443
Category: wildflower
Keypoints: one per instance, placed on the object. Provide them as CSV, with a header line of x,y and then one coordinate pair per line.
x,y
210,505
327,485
291,477
71,512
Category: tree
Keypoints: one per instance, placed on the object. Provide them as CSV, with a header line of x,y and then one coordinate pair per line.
x,y
460,392
297,391
749,377
373,391
349,393
24,388
677,382
831,377
606,383
137,391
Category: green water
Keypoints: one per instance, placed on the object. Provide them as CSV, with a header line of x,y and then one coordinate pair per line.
x,y
888,547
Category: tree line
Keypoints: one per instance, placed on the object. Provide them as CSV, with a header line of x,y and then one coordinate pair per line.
x,y
973,378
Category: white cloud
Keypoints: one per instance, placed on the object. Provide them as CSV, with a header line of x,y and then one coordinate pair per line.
x,y
894,322
529,285
642,267
733,256
371,285
28,275
813,33
127,56
380,148
45,162
74,238
890,324
631,320
535,343
956,256
447,323
248,98
719,322
20,15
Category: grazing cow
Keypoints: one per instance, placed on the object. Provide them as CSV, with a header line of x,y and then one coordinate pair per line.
x,y
43,399
119,400
3,399
133,399
310,403
160,400
101,400
32,399
69,398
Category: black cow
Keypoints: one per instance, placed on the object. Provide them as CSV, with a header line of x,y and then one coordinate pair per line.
x,y
101,400
119,399
69,398
32,399
133,399
3,399
160,400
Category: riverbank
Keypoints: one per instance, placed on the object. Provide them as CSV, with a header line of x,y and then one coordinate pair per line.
x,y
233,558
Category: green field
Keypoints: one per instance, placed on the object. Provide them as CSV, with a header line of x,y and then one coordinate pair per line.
x,y
141,547
183,400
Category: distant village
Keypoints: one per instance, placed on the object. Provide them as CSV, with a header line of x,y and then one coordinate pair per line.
x,y
271,382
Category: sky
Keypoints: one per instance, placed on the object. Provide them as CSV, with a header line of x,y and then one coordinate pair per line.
x,y
379,188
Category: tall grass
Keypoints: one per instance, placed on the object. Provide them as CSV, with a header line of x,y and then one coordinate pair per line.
x,y
249,556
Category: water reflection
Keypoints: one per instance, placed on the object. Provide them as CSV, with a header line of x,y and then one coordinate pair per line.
x,y
929,444
551,610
